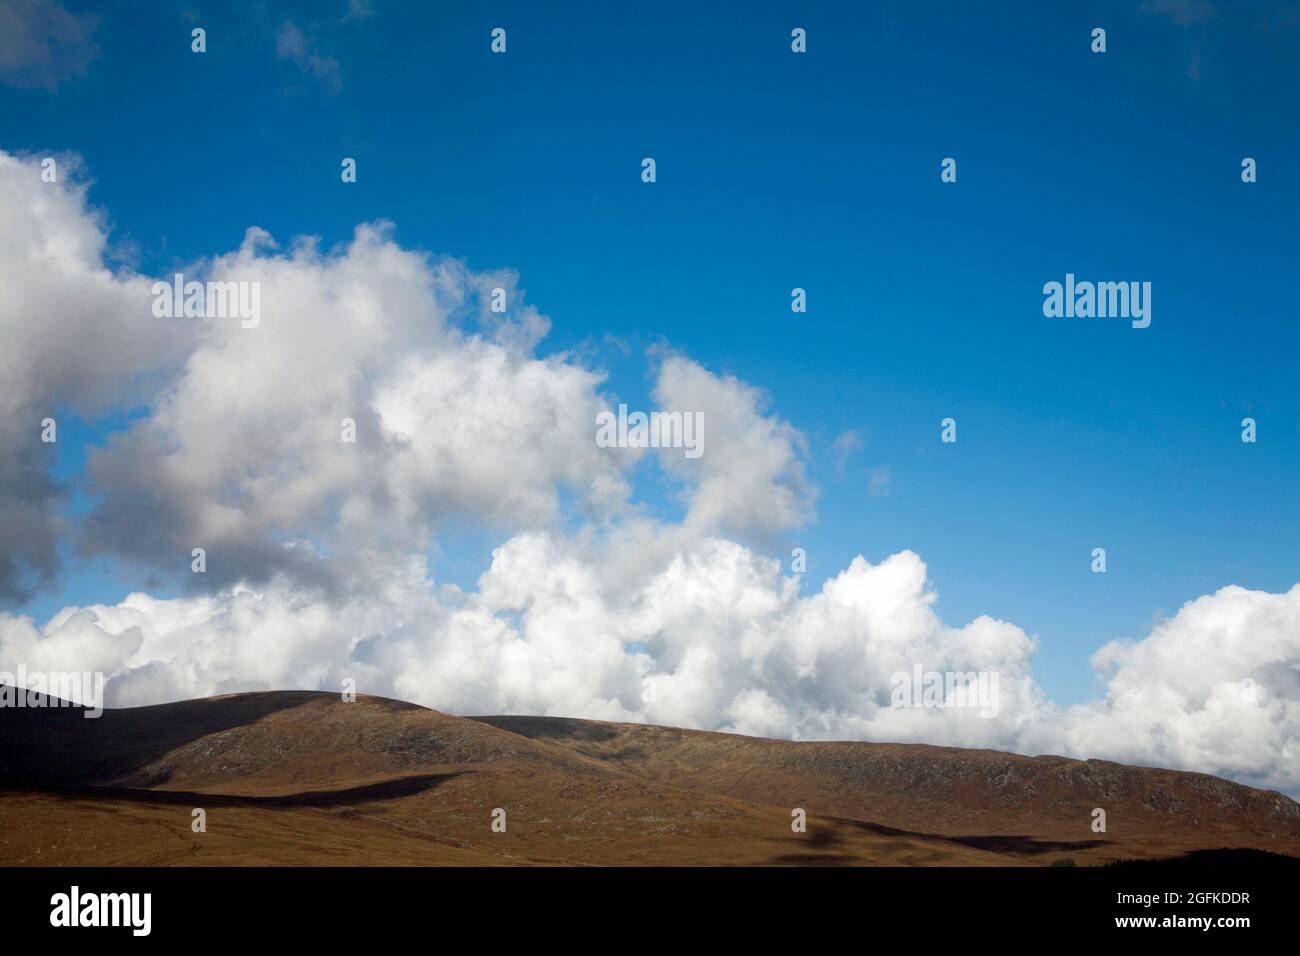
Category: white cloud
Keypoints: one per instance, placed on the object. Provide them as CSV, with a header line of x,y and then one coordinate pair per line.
x,y
751,475
1216,688
244,451
713,638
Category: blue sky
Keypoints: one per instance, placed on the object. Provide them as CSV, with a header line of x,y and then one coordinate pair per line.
x,y
820,171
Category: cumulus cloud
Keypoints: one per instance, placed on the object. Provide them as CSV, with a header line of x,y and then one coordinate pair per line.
x,y
751,476
244,453
42,44
78,337
1216,688
715,638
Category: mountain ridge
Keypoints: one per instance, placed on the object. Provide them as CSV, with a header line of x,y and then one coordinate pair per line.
x,y
291,777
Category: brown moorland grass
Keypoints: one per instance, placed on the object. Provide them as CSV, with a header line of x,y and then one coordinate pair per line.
x,y
303,778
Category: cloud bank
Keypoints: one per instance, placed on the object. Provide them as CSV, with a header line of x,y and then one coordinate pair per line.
x,y
318,549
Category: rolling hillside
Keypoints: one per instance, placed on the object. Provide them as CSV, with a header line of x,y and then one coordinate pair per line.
x,y
305,778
